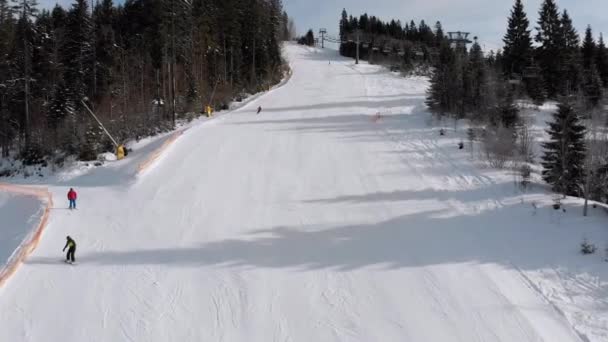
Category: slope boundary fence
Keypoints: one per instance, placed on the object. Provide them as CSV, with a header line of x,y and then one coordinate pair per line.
x,y
159,152
29,244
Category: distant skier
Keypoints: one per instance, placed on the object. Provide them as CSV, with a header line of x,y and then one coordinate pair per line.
x,y
259,109
71,246
72,196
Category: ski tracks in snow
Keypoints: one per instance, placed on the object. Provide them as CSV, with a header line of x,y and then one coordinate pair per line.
x,y
425,153
221,242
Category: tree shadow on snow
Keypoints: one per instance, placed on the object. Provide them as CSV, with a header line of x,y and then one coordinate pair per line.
x,y
506,236
377,105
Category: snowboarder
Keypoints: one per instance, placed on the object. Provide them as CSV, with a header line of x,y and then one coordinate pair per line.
x,y
259,109
72,196
71,246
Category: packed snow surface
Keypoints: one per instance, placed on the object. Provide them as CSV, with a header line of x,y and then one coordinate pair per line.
x,y
336,214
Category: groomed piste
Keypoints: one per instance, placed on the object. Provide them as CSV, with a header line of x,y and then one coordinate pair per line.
x,y
336,214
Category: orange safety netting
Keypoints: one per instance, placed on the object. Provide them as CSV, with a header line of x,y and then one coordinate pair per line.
x,y
159,151
31,241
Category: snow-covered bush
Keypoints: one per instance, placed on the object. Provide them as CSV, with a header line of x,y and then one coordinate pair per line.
x,y
499,145
587,247
525,172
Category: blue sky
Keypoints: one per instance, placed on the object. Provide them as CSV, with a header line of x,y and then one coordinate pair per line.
x,y
486,19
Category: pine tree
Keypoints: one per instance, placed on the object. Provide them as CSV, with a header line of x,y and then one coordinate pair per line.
x,y
105,42
92,142
518,42
426,34
439,98
285,27
122,57
475,82
78,52
602,61
276,7
25,38
571,60
310,38
344,32
499,60
535,87
7,28
413,33
589,49
593,87
43,61
60,108
564,155
508,111
550,52
439,34
445,94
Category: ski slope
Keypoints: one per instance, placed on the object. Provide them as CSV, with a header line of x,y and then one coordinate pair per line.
x,y
316,220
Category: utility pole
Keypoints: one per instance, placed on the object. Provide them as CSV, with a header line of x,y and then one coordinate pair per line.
x,y
99,122
173,85
358,42
27,68
323,32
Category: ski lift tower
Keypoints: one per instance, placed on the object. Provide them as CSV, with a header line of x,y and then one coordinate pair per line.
x,y
322,33
459,40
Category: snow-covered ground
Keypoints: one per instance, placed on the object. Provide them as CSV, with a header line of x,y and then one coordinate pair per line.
x,y
19,215
317,220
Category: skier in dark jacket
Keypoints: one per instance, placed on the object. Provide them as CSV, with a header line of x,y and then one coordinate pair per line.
x,y
259,109
71,246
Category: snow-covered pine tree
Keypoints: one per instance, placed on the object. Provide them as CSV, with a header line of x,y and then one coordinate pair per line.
x,y
43,61
273,35
78,52
92,145
7,28
564,153
60,108
22,55
105,52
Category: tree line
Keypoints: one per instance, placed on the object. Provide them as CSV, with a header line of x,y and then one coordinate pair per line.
x,y
139,65
487,89
391,41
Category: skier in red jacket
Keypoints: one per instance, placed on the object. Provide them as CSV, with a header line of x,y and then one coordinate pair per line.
x,y
72,196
